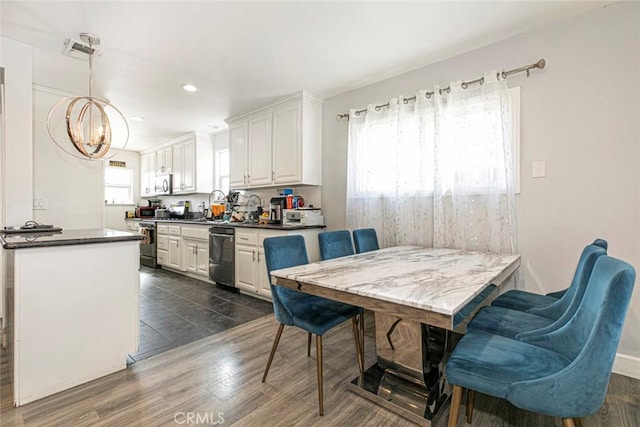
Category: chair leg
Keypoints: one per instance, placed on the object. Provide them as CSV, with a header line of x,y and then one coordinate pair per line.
x,y
273,351
319,360
308,344
356,340
578,422
568,422
456,398
470,398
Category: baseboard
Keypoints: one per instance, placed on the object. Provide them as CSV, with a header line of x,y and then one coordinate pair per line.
x,y
628,366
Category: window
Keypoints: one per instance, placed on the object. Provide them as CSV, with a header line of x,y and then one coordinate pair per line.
x,y
118,185
222,170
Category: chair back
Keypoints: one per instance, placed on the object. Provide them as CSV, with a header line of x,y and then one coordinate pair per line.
x,y
589,340
335,244
282,252
602,243
564,308
365,240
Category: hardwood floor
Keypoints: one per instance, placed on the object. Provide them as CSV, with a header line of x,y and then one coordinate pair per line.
x,y
218,379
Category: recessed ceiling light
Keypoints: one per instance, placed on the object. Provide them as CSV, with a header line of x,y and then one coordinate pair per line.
x,y
214,127
189,87
137,118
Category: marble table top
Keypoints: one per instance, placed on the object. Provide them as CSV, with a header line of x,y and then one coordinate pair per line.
x,y
437,280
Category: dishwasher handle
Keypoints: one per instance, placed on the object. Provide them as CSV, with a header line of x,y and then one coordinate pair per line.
x,y
226,236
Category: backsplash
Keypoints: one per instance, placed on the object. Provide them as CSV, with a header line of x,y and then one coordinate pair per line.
x,y
310,194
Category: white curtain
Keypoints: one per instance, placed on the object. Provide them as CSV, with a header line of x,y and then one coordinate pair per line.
x,y
436,171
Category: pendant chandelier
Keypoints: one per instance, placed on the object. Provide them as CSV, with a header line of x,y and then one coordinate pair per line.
x,y
88,121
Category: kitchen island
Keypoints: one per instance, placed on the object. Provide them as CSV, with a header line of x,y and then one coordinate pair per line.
x,y
73,301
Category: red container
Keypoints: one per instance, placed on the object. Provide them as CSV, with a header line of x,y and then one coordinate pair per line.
x,y
290,201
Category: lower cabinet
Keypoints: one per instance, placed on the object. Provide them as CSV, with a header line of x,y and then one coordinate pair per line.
x,y
196,256
175,257
184,248
250,265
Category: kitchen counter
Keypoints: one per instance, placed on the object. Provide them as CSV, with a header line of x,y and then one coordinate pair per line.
x,y
73,300
236,224
64,238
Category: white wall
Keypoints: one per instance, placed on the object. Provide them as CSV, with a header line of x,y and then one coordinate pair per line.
x,y
17,178
580,114
72,187
15,149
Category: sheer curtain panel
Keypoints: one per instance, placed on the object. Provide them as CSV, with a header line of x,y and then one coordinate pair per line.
x,y
436,172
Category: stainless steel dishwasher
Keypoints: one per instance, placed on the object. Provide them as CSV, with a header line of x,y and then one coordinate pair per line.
x,y
221,255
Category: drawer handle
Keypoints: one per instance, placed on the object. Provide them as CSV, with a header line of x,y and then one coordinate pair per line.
x,y
244,238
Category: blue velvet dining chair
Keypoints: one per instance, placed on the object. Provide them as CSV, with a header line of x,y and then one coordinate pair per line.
x,y
522,300
311,313
510,323
335,244
365,240
563,373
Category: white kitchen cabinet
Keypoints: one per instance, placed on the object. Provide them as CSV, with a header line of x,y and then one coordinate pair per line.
x,y
189,158
259,172
162,244
287,147
238,154
280,144
250,264
196,246
193,164
175,252
147,174
164,160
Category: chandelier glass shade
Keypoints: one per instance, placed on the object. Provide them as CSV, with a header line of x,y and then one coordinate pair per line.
x,y
88,122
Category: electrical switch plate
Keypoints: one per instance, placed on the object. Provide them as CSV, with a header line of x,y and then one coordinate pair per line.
x,y
538,169
40,204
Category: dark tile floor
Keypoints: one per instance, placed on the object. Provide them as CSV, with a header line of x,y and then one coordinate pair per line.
x,y
176,310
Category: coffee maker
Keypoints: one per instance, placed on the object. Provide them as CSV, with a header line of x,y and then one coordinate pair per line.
x,y
276,207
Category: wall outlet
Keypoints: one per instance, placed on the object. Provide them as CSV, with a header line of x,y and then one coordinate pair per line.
x,y
538,169
40,204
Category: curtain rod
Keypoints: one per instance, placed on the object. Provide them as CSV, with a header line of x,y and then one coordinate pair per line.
x,y
504,74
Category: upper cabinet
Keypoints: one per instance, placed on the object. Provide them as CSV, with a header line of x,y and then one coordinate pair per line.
x,y
189,158
280,144
147,174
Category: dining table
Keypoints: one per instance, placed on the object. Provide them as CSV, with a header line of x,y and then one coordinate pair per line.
x,y
422,299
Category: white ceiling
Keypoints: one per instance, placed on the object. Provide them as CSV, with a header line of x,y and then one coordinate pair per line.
x,y
245,54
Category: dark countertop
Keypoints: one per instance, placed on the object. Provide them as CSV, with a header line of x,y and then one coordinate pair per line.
x,y
65,238
235,224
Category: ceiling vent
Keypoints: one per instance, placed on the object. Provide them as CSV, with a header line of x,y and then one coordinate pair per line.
x,y
79,49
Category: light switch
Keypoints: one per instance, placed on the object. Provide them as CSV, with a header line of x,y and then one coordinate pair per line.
x,y
39,204
538,169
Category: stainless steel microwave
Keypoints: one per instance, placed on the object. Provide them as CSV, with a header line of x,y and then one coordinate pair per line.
x,y
164,183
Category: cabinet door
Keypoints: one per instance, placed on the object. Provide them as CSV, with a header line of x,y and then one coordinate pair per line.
x,y
163,257
260,151
175,253
245,270
162,243
147,174
287,145
238,140
178,167
191,256
202,266
164,159
263,284
189,166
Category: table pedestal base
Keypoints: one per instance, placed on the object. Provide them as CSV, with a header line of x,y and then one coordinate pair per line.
x,y
401,394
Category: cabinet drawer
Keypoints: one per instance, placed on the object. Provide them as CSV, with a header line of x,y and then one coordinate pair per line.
x,y
201,233
163,257
163,229
244,238
174,230
163,243
264,235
